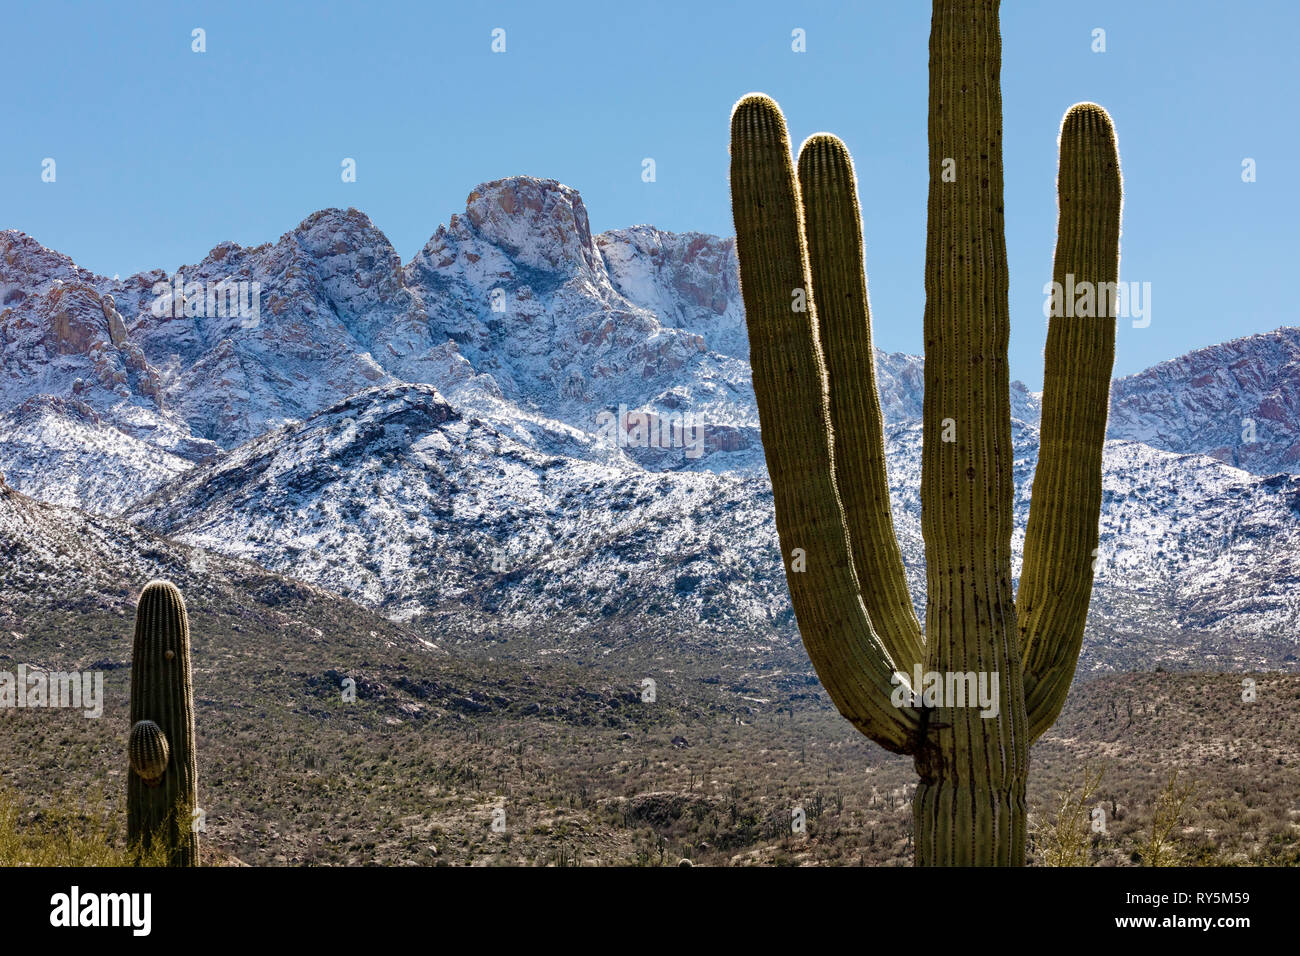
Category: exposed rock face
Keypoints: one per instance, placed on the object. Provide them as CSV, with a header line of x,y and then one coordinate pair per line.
x,y
690,280
116,327
77,322
62,335
23,258
538,223
324,296
1238,402
521,287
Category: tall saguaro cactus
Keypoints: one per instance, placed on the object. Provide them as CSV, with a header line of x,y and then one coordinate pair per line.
x,y
799,242
162,784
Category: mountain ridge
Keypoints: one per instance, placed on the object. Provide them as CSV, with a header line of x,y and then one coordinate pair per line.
x,y
433,439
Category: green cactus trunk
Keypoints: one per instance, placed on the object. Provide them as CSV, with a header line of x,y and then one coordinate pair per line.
x,y
804,285
162,781
970,805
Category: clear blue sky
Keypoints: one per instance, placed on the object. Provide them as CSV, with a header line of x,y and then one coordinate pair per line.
x,y
162,152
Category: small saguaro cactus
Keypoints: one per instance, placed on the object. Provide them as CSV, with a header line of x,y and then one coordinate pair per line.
x,y
162,783
799,243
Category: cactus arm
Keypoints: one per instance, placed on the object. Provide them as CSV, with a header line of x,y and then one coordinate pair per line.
x,y
790,387
1056,579
148,752
833,230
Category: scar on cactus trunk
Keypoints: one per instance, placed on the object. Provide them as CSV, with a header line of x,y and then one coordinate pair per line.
x,y
161,787
799,242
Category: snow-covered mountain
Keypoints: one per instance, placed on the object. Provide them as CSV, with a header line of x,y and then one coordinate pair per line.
x,y
1238,402
460,439
62,451
514,309
397,500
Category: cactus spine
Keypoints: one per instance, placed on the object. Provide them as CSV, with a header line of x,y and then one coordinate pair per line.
x,y
823,437
161,787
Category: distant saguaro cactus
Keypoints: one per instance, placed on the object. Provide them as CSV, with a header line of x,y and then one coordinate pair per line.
x,y
162,783
804,286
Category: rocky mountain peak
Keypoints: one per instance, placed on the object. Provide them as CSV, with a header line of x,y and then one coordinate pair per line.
x,y
539,223
690,280
26,265
348,232
1238,402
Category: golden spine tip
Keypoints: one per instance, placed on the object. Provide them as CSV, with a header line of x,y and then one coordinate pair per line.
x,y
757,118
1089,151
1087,121
823,158
163,588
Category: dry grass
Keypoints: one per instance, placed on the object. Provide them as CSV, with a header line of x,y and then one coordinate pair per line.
x,y
87,833
587,773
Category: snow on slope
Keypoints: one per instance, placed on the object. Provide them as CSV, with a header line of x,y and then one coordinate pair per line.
x,y
399,501
1238,402
61,451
